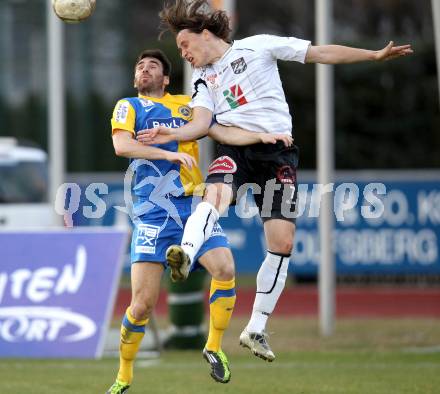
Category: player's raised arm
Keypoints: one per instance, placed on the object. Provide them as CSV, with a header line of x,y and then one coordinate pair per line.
x,y
238,136
126,146
339,54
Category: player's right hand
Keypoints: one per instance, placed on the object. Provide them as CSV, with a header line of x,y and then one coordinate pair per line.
x,y
182,158
391,51
267,138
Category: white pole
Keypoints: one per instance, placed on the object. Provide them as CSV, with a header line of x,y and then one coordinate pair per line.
x,y
56,109
325,157
436,17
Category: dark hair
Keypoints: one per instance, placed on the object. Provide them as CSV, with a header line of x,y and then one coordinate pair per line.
x,y
159,55
194,15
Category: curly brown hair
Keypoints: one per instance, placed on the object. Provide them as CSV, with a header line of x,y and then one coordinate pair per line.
x,y
194,15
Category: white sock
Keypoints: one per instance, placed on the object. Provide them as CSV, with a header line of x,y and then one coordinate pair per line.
x,y
271,279
198,228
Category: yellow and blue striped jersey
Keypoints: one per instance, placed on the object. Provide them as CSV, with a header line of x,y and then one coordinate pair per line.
x,y
159,176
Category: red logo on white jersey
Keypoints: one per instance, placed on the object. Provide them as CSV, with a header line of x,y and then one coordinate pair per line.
x,y
222,165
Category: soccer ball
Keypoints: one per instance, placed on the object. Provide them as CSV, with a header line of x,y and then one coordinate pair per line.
x,y
73,11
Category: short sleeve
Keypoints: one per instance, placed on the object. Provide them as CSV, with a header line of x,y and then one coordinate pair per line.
x,y
286,48
201,96
124,116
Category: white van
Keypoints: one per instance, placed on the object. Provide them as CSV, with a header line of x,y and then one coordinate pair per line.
x,y
23,186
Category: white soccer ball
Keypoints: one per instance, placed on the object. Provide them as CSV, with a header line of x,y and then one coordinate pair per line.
x,y
73,11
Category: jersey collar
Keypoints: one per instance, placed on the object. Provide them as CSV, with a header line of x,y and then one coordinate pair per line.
x,y
225,54
163,98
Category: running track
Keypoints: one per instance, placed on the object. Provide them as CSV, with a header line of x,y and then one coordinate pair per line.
x,y
350,302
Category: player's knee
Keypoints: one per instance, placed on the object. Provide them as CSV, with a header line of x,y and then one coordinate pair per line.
x,y
282,246
219,195
225,271
142,310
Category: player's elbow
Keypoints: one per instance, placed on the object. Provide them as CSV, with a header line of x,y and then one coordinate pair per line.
x,y
217,136
122,143
120,150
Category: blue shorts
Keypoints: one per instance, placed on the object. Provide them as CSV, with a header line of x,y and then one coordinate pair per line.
x,y
157,229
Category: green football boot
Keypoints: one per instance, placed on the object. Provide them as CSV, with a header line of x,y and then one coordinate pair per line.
x,y
118,387
220,371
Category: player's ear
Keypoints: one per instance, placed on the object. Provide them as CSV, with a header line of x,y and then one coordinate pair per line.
x,y
166,80
205,34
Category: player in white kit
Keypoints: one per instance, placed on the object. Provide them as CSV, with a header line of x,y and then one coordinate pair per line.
x,y
237,83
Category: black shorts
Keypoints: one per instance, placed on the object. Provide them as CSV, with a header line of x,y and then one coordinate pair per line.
x,y
269,169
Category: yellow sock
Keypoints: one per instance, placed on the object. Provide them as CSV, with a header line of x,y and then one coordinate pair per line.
x,y
221,305
132,332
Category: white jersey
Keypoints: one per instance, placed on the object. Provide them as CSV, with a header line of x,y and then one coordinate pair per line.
x,y
244,88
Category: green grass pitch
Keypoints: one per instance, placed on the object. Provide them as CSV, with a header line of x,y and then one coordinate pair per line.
x,y
364,356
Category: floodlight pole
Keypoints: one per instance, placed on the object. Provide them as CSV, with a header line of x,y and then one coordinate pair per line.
x,y
325,157
56,109
436,18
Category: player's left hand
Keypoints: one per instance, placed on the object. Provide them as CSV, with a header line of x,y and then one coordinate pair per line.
x,y
159,139
391,52
267,138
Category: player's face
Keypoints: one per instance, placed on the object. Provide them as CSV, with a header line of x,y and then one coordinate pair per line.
x,y
148,77
193,47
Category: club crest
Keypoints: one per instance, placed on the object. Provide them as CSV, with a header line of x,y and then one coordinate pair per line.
x,y
211,78
185,111
239,66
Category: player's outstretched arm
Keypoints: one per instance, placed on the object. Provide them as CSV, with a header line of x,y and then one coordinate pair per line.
x,y
339,54
126,146
195,129
236,136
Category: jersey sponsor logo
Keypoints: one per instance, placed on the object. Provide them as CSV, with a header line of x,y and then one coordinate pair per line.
x,y
146,238
122,112
286,175
185,111
167,122
239,66
235,97
222,165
